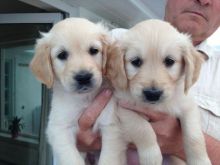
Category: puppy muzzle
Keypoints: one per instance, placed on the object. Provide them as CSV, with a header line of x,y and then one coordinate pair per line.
x,y
83,81
152,95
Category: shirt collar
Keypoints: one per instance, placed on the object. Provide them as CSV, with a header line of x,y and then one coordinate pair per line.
x,y
205,48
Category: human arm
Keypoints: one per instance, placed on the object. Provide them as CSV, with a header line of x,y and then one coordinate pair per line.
x,y
86,139
169,134
213,149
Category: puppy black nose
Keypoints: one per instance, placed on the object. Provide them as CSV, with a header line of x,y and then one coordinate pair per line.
x,y
83,77
152,94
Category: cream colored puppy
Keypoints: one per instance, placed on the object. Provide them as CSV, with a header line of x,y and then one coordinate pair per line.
x,y
154,65
70,59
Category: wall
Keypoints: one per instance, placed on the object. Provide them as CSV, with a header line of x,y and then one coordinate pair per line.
x,y
18,152
95,18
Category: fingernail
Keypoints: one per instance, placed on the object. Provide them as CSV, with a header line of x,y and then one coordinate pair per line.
x,y
89,140
107,92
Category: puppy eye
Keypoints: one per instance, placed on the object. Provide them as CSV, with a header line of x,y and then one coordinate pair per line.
x,y
137,62
168,62
93,51
63,55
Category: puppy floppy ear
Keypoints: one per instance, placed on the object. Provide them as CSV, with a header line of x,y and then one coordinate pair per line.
x,y
193,61
105,43
115,67
41,64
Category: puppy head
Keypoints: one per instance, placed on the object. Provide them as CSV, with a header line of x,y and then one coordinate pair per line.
x,y
72,53
153,61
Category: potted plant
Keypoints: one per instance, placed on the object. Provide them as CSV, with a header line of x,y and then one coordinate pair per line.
x,y
15,127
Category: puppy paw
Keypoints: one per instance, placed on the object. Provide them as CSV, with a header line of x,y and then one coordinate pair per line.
x,y
151,156
69,161
199,162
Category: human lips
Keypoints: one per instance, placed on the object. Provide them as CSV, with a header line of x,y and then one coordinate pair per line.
x,y
197,13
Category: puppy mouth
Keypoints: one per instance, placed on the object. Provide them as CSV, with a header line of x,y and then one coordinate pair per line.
x,y
153,102
84,88
84,81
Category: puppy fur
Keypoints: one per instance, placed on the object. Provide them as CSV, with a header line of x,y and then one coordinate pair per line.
x,y
154,65
70,59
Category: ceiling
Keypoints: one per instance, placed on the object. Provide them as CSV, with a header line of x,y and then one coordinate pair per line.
x,y
125,13
15,6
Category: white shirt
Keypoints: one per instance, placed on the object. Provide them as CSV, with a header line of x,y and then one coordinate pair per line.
x,y
206,90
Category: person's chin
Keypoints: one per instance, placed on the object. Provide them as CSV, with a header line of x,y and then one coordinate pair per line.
x,y
191,25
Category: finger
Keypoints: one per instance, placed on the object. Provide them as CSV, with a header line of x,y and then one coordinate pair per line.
x,y
151,115
132,146
154,116
87,137
132,157
96,145
89,117
127,105
156,127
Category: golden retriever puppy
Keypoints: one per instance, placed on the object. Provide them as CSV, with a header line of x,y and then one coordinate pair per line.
x,y
154,65
70,59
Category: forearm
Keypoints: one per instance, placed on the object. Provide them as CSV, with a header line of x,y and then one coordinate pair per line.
x,y
213,149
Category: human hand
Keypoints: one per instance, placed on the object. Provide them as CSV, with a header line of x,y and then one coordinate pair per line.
x,y
87,140
166,127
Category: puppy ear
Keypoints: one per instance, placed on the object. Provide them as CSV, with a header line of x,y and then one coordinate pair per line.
x,y
41,64
105,43
115,67
193,61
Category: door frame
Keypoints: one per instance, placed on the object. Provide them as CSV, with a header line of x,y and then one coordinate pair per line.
x,y
12,18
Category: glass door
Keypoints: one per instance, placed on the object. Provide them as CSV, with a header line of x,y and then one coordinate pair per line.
x,y
24,103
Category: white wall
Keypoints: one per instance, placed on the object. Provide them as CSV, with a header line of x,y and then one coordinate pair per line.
x,y
94,17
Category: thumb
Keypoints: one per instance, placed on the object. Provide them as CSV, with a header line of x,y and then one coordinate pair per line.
x,y
90,115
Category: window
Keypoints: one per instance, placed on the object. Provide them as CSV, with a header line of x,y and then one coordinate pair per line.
x,y
21,95
20,90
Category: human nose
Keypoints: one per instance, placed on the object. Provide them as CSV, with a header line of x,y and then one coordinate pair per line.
x,y
204,2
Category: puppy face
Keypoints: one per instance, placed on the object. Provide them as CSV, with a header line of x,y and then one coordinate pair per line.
x,y
72,53
156,62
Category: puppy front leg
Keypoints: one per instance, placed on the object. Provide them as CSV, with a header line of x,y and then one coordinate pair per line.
x,y
63,142
139,131
193,138
113,150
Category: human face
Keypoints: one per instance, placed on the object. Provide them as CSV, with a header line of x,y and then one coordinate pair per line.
x,y
200,18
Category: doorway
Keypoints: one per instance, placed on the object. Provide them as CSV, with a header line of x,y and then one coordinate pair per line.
x,y
24,103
